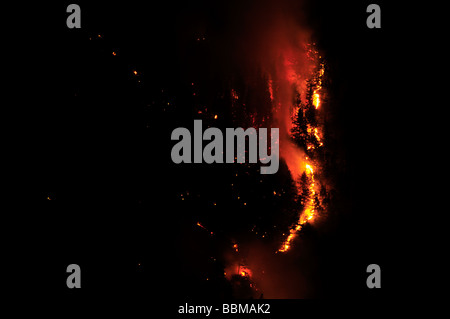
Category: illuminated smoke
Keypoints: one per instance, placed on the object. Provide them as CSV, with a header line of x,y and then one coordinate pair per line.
x,y
279,62
292,67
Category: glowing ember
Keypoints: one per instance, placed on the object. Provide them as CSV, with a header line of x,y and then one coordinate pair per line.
x,y
203,227
200,225
270,89
244,271
316,95
234,94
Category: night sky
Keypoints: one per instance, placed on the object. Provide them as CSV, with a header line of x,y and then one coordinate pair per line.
x,y
102,191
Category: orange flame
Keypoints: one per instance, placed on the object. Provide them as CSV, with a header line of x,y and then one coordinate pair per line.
x,y
307,214
295,158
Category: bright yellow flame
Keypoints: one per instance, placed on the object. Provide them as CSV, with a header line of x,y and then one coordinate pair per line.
x,y
316,99
307,214
316,95
316,134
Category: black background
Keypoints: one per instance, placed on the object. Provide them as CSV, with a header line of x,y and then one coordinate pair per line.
x,y
89,141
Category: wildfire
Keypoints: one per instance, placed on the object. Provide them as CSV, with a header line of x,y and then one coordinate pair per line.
x,y
307,214
316,95
309,211
243,270
297,161
238,267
